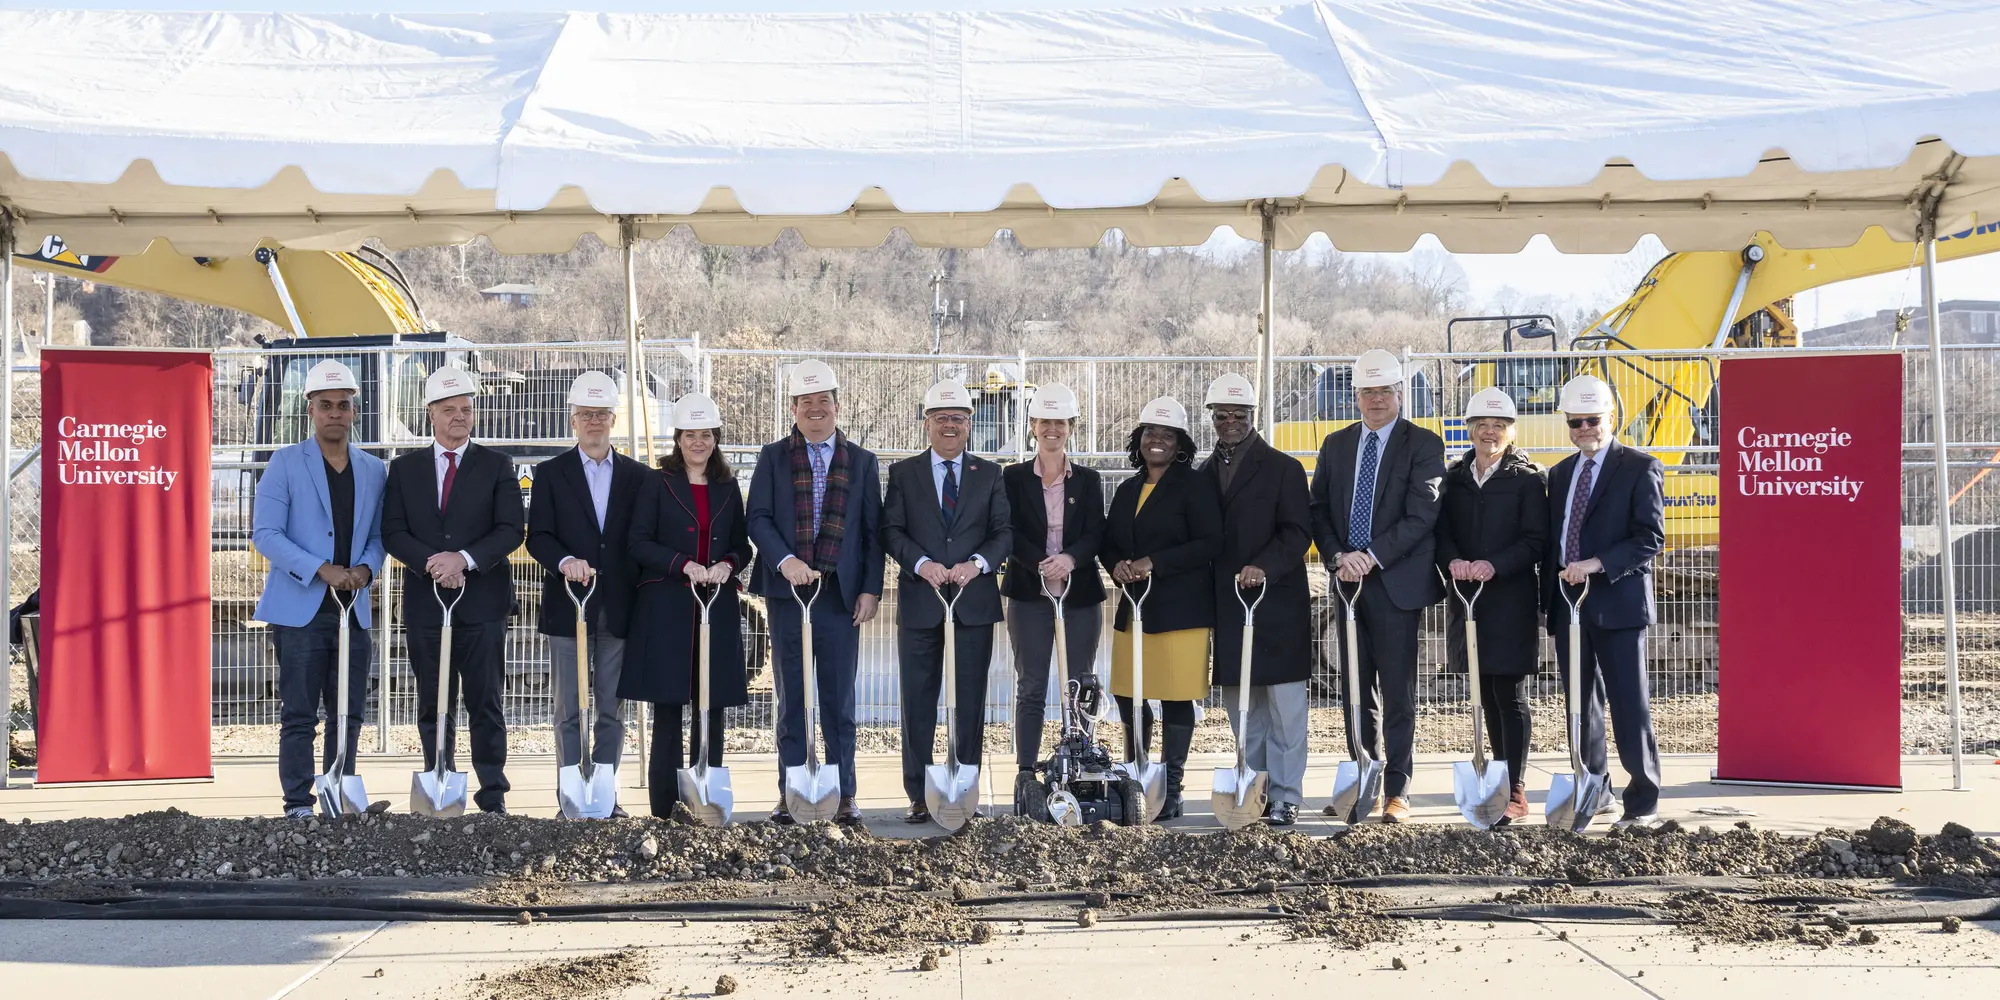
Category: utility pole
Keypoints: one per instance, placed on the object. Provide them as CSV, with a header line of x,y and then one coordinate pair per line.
x,y
938,312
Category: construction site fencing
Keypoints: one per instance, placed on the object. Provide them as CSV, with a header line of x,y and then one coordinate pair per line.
x,y
525,412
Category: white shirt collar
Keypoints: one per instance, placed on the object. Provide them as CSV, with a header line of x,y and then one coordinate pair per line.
x,y
819,444
937,459
439,450
587,460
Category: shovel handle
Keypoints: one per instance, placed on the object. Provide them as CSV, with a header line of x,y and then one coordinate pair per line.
x,y
808,667
1457,588
582,669
950,669
1351,657
1575,674
1135,726
1243,670
345,654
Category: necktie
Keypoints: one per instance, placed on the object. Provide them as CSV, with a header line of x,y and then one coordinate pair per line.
x,y
1573,531
950,492
1361,518
450,474
819,484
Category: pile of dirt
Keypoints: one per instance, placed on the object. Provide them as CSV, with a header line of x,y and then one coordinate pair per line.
x,y
862,894
589,975
1715,917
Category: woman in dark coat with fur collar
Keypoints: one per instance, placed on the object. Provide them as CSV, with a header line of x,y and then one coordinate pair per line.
x,y
1493,528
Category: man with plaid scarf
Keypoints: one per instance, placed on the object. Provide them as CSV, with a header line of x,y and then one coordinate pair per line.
x,y
815,507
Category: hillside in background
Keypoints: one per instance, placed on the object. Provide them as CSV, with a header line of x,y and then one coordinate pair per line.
x,y
1113,299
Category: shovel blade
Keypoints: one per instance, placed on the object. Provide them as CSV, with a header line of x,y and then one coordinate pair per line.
x,y
1238,796
1574,800
951,793
439,797
570,791
812,792
707,794
1357,789
601,794
1152,779
340,795
1481,797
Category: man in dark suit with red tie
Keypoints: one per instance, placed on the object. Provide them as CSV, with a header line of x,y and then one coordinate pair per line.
x,y
1607,505
451,515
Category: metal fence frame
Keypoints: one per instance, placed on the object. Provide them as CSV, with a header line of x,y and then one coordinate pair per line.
x,y
880,393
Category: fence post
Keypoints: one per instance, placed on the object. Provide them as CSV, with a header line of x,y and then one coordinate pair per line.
x,y
1947,568
1022,447
1266,323
1093,406
7,488
385,621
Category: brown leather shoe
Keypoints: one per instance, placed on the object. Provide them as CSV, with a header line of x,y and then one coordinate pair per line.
x,y
1517,804
847,815
919,813
1396,810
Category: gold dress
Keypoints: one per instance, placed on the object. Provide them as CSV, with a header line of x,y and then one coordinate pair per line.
x,y
1176,662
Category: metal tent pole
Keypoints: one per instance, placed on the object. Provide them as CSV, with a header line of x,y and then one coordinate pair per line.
x,y
1947,564
635,387
1266,361
7,487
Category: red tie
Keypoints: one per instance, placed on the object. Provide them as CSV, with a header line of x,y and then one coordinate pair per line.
x,y
450,473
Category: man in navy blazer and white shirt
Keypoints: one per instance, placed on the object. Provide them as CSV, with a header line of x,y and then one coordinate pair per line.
x,y
318,520
579,528
1607,504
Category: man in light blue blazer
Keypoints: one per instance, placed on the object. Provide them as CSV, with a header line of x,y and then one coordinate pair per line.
x,y
318,520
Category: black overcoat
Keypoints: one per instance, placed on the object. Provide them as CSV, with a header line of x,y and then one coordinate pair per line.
x,y
661,654
1180,529
1506,523
1265,522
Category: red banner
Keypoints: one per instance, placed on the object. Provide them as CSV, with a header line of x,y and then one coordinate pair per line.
x,y
1811,571
125,564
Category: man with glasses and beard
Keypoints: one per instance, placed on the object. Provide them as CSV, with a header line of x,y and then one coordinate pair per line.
x,y
1266,529
1607,508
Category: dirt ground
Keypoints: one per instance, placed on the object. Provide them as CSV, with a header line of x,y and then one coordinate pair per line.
x,y
823,890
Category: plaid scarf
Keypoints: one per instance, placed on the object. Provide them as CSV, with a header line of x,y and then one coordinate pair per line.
x,y
822,553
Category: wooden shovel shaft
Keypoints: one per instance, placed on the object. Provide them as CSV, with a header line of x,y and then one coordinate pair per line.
x,y
1243,692
1478,706
809,667
443,693
950,687
340,755
1136,724
582,682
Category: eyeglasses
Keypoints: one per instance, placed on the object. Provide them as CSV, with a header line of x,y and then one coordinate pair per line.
x,y
594,416
1577,423
951,419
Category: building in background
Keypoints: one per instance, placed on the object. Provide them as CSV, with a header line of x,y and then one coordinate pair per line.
x,y
1966,321
511,293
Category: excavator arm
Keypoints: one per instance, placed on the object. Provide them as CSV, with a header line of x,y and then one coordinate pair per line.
x,y
335,293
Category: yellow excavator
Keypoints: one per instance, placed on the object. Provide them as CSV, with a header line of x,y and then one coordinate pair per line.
x,y
1667,403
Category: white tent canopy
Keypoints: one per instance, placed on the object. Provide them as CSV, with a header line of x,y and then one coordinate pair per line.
x,y
1482,122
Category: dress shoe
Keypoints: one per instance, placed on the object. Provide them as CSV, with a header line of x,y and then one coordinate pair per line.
x,y
1644,821
1396,810
919,813
781,816
1517,804
378,807
847,814
299,813
618,812
1282,814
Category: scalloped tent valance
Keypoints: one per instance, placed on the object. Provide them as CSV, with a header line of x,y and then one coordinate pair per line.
x,y
1482,122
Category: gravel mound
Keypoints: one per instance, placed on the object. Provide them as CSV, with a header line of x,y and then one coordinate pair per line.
x,y
590,975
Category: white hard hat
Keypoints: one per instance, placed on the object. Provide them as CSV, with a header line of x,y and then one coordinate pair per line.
x,y
593,389
1377,368
1053,402
1586,395
949,394
1231,390
1490,402
447,382
809,377
331,374
696,412
1165,411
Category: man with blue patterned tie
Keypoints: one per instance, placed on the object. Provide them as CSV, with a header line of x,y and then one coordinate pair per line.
x,y
1375,501
947,523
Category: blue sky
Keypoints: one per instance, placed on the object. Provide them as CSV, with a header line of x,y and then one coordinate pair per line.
x,y
1538,276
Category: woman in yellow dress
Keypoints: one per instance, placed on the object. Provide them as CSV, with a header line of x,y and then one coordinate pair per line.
x,y
1165,524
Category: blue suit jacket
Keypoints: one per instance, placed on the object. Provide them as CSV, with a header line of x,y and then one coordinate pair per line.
x,y
772,522
1624,527
292,526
